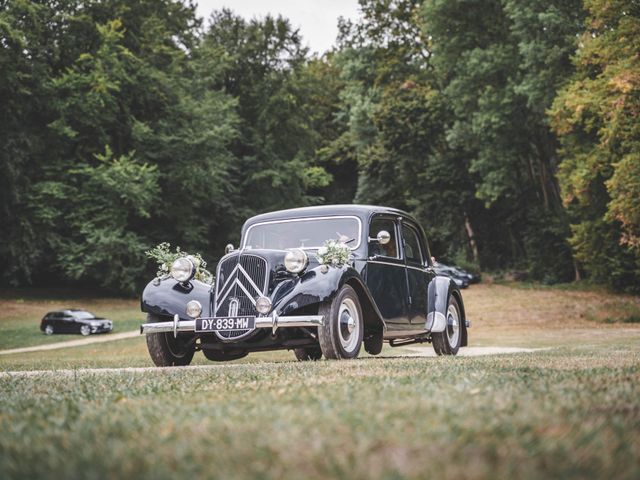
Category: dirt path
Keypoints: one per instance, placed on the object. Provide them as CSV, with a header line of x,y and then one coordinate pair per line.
x,y
106,337
469,351
403,352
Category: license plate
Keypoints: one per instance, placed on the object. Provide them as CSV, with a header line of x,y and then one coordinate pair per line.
x,y
225,324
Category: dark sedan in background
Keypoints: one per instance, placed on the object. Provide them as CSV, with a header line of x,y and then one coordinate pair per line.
x,y
462,278
74,321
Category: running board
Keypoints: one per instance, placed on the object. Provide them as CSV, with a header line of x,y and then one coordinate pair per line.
x,y
402,343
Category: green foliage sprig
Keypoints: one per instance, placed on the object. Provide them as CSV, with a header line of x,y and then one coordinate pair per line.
x,y
334,253
162,254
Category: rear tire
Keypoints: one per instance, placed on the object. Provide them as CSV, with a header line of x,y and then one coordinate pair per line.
x,y
449,341
48,330
167,351
308,353
341,334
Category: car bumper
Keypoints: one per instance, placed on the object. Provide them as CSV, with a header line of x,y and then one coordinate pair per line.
x,y
101,329
273,321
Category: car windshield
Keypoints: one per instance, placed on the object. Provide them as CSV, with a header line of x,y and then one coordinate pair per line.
x,y
303,233
83,315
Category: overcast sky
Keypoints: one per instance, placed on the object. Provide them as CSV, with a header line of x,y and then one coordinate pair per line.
x,y
317,19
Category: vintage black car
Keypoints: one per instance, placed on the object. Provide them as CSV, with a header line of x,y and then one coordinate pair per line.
x,y
74,321
276,291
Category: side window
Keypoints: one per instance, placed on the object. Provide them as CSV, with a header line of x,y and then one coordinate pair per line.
x,y
412,245
389,249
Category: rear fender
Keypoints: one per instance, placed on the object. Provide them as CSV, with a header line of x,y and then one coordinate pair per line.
x,y
439,291
167,297
319,285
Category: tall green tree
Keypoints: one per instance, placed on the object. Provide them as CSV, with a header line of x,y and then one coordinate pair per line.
x,y
500,63
134,143
275,148
394,121
596,118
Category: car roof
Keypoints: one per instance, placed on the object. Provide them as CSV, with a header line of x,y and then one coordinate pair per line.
x,y
68,310
361,211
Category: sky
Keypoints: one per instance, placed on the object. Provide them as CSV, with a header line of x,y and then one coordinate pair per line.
x,y
317,19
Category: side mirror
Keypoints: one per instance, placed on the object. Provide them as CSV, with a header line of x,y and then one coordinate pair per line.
x,y
382,238
229,248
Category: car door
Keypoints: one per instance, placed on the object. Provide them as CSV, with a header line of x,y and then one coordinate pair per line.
x,y
67,324
385,274
417,276
55,320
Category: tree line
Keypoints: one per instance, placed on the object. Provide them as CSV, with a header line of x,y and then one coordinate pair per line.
x,y
510,128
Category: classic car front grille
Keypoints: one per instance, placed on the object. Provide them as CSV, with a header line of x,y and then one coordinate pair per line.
x,y
241,278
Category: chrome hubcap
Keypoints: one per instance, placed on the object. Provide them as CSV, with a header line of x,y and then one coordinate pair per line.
x,y
453,326
349,325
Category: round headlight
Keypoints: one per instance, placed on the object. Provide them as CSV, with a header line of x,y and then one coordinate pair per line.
x,y
263,305
194,309
183,269
296,260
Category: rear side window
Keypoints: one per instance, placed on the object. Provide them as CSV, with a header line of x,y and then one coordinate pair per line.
x,y
388,250
412,249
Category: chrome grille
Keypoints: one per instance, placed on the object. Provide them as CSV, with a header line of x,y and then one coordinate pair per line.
x,y
242,277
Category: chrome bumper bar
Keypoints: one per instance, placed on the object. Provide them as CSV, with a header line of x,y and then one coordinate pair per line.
x,y
273,321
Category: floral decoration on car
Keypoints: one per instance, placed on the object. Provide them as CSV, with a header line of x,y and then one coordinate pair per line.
x,y
162,254
334,253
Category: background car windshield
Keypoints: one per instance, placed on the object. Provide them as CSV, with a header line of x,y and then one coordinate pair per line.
x,y
302,233
83,315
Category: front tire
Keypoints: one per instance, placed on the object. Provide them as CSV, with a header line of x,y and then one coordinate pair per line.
x,y
167,351
449,341
341,334
85,330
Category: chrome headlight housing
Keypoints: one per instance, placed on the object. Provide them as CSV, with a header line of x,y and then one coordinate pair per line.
x,y
194,308
182,269
296,260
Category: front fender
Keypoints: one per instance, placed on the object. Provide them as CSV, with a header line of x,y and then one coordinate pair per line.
x,y
319,285
167,297
439,291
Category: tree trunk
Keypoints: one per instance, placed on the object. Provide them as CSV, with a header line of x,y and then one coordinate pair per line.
x,y
472,239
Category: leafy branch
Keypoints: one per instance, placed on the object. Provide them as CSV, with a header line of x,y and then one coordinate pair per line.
x,y
163,255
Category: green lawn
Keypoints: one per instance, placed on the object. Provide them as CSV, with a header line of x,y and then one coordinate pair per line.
x,y
570,411
563,413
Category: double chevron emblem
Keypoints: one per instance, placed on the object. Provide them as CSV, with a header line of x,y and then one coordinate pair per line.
x,y
238,278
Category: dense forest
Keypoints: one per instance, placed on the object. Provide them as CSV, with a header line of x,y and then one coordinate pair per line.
x,y
510,128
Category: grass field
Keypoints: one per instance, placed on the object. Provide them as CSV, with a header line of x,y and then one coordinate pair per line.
x,y
569,411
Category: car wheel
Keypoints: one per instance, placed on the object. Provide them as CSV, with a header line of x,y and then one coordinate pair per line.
x,y
167,351
48,330
449,341
219,356
309,353
373,344
85,330
341,334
